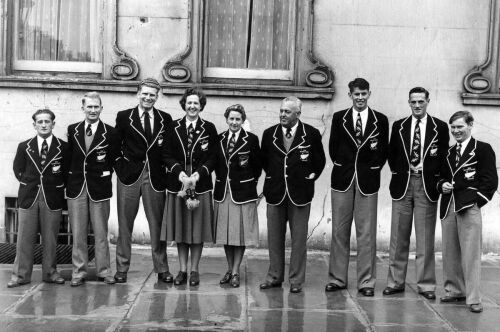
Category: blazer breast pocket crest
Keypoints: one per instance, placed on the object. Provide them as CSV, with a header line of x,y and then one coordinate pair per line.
x,y
101,155
304,154
433,150
243,160
204,144
56,167
373,143
469,173
160,139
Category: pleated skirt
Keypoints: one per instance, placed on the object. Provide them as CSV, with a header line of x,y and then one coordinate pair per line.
x,y
188,226
236,224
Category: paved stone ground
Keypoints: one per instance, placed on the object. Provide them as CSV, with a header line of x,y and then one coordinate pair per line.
x,y
143,304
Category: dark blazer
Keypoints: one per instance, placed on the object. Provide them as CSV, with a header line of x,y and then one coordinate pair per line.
x,y
94,167
435,149
287,172
242,168
202,155
135,150
32,176
366,162
475,180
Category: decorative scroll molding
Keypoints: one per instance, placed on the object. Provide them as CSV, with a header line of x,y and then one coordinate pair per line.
x,y
125,68
320,76
175,70
482,83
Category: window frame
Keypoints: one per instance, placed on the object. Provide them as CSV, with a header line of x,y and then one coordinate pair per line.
x,y
211,74
115,64
311,78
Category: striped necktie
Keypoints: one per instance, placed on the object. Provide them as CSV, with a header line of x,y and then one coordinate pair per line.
x,y
190,132
43,152
231,144
359,130
415,150
459,154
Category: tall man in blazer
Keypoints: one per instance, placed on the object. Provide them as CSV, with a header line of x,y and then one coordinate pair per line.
x,y
293,158
358,148
417,149
39,165
469,180
93,147
141,172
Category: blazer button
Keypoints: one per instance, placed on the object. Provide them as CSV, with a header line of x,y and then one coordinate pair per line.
x,y
286,176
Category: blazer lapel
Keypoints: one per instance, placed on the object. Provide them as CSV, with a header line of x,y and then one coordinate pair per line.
x,y
158,124
79,136
349,125
54,151
199,130
135,122
430,133
278,139
32,151
180,130
299,138
468,154
223,144
371,126
405,135
99,136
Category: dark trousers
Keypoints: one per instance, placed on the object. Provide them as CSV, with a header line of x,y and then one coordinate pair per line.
x,y
298,218
37,217
128,205
413,208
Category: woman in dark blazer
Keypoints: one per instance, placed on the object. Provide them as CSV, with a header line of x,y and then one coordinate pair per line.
x,y
237,171
189,154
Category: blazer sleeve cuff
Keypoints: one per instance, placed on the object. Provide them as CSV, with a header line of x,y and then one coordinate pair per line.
x,y
481,199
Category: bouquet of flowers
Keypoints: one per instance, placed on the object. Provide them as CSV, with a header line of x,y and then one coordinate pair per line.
x,y
188,190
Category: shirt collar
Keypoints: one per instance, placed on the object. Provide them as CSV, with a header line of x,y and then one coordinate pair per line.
x,y
40,140
293,129
464,144
93,126
423,120
141,112
236,134
191,122
362,111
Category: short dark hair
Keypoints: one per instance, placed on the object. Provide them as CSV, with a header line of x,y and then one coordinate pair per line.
x,y
43,111
466,115
419,89
359,83
236,108
149,82
91,95
190,92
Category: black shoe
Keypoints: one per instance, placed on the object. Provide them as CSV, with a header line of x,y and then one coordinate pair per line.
x,y
476,308
181,278
75,282
270,284
331,287
226,278
295,288
166,277
194,278
121,277
109,280
448,299
235,280
390,290
429,295
367,291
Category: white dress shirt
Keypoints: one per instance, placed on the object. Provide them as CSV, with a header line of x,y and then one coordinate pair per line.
x,y
292,131
40,142
151,118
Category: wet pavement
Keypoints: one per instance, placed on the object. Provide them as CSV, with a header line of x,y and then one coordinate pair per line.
x,y
143,304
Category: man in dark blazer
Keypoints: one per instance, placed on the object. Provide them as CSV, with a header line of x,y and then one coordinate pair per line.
x,y
358,148
40,167
293,158
141,172
93,147
417,149
469,180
